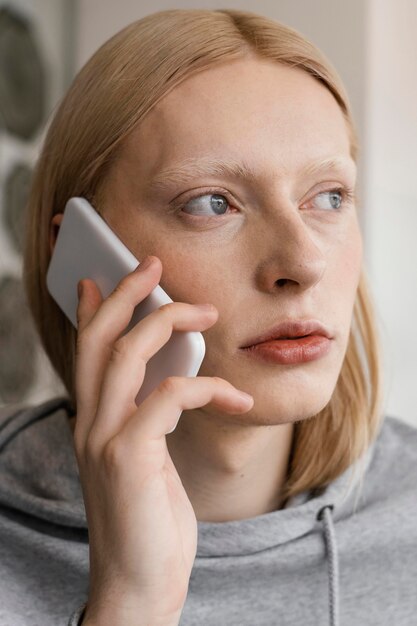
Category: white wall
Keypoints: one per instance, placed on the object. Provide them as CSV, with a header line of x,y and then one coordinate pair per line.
x,y
391,166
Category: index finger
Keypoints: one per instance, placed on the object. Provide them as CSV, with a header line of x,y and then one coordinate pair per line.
x,y
101,324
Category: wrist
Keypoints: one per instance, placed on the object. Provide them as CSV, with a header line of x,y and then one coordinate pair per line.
x,y
121,616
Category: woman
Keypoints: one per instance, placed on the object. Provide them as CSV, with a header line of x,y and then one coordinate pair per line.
x,y
219,146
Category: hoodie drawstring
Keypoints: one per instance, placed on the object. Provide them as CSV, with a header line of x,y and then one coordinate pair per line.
x,y
325,515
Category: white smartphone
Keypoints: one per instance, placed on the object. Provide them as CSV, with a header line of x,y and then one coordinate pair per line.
x,y
86,247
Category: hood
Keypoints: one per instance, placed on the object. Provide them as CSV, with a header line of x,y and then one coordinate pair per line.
x,y
38,469
39,476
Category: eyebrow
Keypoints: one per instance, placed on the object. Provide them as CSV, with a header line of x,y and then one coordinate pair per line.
x,y
332,163
191,168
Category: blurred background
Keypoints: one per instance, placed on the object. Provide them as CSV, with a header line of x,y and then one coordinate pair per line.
x,y
371,43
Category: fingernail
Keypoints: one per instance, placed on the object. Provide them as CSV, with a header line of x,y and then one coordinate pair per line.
x,y
205,307
80,289
245,397
145,264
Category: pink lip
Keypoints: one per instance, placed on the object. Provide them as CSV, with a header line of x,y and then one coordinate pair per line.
x,y
291,329
291,351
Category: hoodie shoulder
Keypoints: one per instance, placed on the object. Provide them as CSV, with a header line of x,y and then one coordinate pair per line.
x,y
393,471
17,417
38,468
398,438
10,410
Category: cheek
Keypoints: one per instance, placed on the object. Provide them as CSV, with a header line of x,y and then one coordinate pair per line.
x,y
190,278
346,261
193,270
346,272
355,260
197,280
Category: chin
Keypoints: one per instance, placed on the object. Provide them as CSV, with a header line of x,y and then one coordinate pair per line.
x,y
283,402
273,414
284,395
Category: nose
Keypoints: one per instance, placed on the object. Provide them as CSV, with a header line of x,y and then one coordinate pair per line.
x,y
294,256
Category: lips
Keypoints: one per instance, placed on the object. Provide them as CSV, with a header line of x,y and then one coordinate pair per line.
x,y
290,329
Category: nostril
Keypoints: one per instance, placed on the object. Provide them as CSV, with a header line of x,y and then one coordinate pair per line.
x,y
281,282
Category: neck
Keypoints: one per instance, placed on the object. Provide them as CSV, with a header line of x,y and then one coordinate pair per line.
x,y
229,471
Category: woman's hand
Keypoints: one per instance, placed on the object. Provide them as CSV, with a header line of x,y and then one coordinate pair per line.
x,y
142,527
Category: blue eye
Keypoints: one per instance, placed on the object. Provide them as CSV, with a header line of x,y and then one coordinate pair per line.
x,y
217,203
334,198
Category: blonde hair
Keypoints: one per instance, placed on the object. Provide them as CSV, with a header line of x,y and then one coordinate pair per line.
x,y
111,94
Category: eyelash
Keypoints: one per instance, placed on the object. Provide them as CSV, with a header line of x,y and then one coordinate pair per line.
x,y
347,193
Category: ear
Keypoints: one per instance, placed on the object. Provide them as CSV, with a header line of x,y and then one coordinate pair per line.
x,y
54,229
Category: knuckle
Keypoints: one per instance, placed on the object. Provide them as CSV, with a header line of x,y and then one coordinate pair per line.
x,y
171,385
83,339
112,455
122,292
122,286
167,309
221,383
78,445
90,452
119,349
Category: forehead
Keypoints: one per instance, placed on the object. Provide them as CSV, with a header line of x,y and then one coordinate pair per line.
x,y
258,109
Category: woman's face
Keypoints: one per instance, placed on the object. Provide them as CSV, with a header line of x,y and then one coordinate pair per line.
x,y
263,248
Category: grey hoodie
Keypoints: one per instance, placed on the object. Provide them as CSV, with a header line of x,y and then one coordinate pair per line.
x,y
346,554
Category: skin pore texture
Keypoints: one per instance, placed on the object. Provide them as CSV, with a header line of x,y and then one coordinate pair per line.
x,y
275,249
